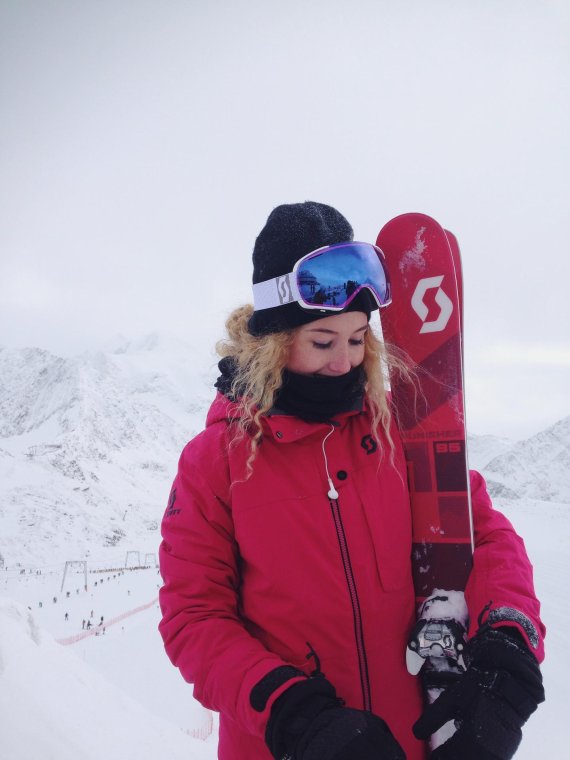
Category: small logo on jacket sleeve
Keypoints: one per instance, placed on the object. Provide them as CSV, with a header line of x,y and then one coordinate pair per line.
x,y
170,511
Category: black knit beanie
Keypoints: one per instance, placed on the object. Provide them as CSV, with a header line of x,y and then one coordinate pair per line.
x,y
291,231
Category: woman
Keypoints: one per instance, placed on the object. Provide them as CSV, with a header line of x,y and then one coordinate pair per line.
x,y
287,597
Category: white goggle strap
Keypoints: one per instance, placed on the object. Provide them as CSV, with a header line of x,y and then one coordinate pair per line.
x,y
275,292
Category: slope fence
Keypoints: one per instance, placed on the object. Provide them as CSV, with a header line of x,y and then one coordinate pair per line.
x,y
98,629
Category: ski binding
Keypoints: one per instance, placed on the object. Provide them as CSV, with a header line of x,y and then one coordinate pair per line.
x,y
439,635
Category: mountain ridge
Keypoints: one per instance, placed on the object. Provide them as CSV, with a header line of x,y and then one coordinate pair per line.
x,y
89,446
89,439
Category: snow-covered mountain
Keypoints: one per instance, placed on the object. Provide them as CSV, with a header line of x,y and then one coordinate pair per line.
x,y
89,444
536,468
483,448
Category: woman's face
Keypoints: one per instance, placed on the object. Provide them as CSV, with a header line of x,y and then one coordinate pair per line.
x,y
329,346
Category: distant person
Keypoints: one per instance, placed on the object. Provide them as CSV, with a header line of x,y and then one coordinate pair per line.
x,y
288,598
88,624
83,623
67,615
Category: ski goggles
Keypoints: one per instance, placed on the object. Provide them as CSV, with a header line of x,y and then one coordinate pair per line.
x,y
328,279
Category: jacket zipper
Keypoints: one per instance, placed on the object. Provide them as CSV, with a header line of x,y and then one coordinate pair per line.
x,y
357,616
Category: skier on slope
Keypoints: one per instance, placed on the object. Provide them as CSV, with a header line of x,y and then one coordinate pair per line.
x,y
288,596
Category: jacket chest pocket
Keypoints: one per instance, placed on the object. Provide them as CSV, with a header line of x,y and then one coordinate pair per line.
x,y
386,511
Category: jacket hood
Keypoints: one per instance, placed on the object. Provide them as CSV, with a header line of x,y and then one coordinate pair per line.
x,y
221,410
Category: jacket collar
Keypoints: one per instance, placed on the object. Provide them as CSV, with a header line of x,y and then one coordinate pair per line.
x,y
284,428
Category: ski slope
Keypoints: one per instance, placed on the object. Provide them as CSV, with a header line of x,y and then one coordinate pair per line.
x,y
112,694
116,695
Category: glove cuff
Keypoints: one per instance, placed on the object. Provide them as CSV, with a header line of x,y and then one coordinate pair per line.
x,y
505,616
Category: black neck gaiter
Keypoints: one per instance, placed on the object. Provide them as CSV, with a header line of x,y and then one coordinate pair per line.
x,y
314,398
317,398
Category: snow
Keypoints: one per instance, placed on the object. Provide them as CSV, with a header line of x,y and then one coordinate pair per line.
x,y
545,528
95,434
54,706
483,448
88,448
445,604
538,467
414,257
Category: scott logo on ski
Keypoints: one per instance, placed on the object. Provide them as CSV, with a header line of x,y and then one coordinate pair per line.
x,y
442,300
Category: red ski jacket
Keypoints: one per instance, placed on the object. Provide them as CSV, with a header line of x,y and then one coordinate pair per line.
x,y
268,570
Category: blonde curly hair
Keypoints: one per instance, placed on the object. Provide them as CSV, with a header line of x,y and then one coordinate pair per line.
x,y
260,361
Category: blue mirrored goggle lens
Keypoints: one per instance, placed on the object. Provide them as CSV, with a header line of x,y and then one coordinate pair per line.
x,y
331,279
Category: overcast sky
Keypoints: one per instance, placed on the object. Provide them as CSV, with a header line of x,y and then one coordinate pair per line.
x,y
143,145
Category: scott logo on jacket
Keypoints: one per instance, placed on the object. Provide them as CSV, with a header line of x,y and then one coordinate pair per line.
x,y
369,444
170,511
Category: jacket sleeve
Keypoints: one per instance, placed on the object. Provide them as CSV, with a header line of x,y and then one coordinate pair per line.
x,y
500,590
201,628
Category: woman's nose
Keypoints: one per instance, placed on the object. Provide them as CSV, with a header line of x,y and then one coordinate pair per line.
x,y
340,363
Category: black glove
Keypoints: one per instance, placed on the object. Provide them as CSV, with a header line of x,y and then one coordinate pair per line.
x,y
500,689
308,722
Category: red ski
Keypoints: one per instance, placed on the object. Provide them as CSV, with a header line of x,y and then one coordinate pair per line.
x,y
424,320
